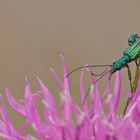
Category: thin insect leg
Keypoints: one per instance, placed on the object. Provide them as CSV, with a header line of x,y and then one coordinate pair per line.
x,y
130,77
135,82
137,74
130,81
136,62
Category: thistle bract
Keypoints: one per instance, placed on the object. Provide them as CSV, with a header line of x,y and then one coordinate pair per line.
x,y
92,123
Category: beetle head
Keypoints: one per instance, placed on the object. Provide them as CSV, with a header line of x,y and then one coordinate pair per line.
x,y
132,39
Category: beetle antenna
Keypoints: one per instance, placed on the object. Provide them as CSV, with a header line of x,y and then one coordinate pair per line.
x,y
99,74
103,74
89,66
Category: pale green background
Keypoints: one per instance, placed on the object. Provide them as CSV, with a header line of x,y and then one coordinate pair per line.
x,y
33,33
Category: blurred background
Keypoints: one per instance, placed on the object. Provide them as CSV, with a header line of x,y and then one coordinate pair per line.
x,y
33,34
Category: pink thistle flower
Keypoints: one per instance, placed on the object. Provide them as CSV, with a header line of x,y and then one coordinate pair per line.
x,y
92,123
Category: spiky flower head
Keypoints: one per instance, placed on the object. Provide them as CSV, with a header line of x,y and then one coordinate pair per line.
x,y
92,123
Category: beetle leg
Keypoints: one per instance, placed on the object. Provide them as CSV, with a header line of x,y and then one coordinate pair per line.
x,y
137,62
130,77
130,81
137,74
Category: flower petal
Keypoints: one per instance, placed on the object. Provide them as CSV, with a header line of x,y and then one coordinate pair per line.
x,y
18,107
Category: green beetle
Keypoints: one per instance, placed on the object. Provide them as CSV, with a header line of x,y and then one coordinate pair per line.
x,y
132,53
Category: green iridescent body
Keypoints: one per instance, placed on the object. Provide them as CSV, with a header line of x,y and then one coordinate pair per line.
x,y
132,53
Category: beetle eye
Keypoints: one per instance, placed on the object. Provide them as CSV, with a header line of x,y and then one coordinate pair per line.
x,y
132,39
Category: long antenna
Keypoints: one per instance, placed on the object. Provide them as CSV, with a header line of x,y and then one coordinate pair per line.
x,y
99,74
104,73
86,67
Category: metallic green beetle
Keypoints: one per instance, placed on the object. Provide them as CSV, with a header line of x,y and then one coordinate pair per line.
x,y
132,53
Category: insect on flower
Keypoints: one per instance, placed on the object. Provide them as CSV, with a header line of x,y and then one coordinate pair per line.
x,y
132,53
